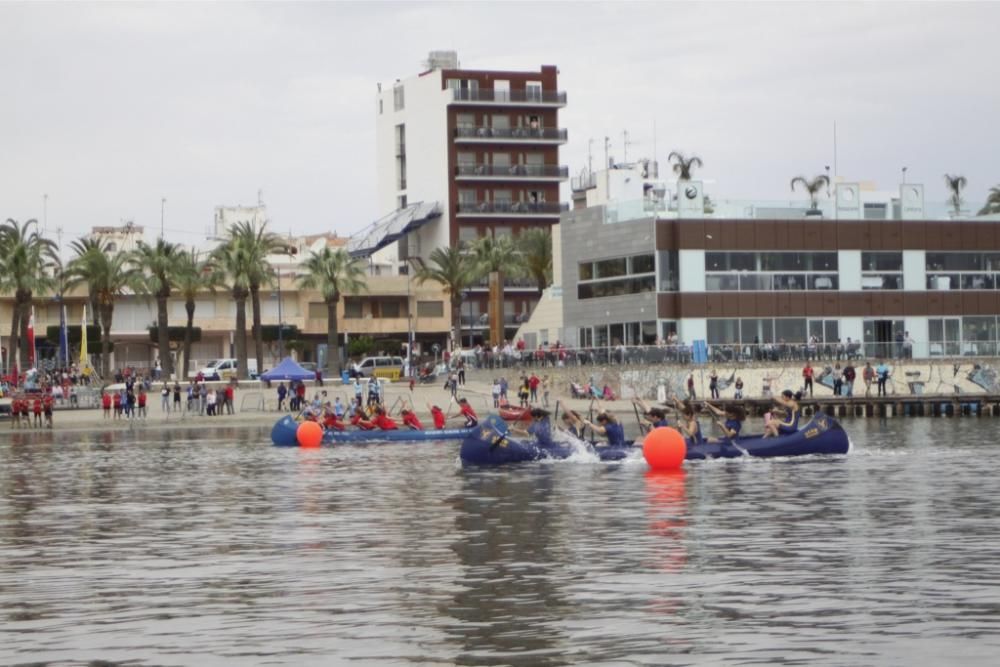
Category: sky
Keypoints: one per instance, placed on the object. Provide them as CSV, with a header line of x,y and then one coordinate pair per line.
x,y
108,108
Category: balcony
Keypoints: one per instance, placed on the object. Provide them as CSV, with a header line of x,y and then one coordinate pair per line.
x,y
515,135
509,283
535,98
492,172
507,209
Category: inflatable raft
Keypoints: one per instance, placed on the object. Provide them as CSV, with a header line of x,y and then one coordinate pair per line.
x,y
283,435
490,444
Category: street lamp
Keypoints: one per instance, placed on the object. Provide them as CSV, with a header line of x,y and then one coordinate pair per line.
x,y
281,327
904,175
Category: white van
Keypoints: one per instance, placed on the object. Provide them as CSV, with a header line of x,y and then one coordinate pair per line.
x,y
223,369
383,367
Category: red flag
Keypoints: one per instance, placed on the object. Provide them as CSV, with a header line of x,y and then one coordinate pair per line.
x,y
31,339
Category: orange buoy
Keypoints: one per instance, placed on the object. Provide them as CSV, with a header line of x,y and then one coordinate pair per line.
x,y
664,448
309,434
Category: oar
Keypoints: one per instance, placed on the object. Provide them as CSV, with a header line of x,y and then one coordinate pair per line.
x,y
638,419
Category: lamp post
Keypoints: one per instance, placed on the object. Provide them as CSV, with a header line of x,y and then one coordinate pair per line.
x,y
163,203
281,327
904,175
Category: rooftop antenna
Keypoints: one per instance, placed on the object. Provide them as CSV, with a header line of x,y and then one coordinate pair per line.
x,y
625,145
260,197
45,213
590,155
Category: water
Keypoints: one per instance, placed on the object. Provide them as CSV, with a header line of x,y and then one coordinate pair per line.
x,y
177,549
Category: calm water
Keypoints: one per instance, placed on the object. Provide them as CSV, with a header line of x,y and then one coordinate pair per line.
x,y
159,549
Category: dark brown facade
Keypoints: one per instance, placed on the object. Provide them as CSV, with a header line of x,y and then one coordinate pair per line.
x,y
829,235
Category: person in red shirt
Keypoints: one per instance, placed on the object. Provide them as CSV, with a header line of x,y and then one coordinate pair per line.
x,y
47,402
25,410
383,421
438,415
807,379
117,401
410,420
15,412
141,402
331,421
106,404
533,383
359,420
36,408
231,396
465,410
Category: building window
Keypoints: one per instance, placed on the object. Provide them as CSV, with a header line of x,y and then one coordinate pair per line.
x,y
352,308
620,287
963,270
467,236
882,270
533,91
389,309
465,120
770,271
430,308
616,276
667,270
316,310
398,99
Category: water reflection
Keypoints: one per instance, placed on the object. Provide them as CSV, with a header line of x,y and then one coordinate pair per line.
x,y
509,581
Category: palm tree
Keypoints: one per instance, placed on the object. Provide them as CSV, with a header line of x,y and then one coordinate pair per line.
x,y
160,263
451,268
257,244
495,257
535,246
992,205
955,184
81,247
683,165
231,260
110,276
813,187
332,272
29,262
194,275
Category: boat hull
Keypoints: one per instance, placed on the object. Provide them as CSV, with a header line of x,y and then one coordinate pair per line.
x,y
490,444
283,435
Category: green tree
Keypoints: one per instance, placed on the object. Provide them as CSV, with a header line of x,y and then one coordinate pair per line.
x,y
535,246
29,263
992,205
955,185
81,247
683,165
233,263
110,275
496,258
257,244
195,274
813,187
451,268
159,264
333,273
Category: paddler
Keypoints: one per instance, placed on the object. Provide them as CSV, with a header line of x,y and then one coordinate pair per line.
x,y
410,420
465,411
383,421
608,426
789,402
540,427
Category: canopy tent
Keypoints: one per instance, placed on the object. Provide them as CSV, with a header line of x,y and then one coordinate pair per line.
x,y
288,370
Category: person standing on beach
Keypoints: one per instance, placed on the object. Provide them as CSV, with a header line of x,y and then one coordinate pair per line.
x,y
690,386
807,379
230,395
882,373
713,384
282,393
165,399
177,396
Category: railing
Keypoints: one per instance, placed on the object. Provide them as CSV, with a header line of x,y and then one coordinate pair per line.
x,y
517,208
515,170
509,96
583,182
539,133
508,281
483,320
732,281
821,354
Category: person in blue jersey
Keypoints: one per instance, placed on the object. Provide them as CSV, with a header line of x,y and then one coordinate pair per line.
x,y
540,428
572,424
730,420
688,424
652,417
608,426
784,424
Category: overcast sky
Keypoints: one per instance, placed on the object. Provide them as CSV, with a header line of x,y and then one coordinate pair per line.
x,y
109,107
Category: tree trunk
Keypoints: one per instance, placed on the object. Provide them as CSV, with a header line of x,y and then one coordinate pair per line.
x,y
162,335
25,307
188,335
240,297
107,314
258,334
456,321
497,331
333,362
13,345
95,310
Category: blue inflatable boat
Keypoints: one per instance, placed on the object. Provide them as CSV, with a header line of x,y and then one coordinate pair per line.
x,y
283,435
490,444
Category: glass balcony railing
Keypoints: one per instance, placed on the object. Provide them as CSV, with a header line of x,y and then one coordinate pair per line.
x,y
509,96
513,170
511,133
511,208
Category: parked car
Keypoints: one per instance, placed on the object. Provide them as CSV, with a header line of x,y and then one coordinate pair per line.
x,y
223,369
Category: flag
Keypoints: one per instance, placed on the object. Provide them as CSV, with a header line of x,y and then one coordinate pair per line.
x,y
84,359
31,339
63,337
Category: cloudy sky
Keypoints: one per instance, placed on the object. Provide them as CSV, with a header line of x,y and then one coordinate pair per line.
x,y
108,107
